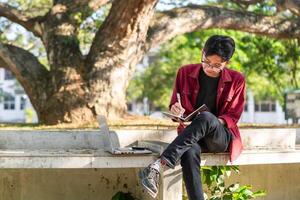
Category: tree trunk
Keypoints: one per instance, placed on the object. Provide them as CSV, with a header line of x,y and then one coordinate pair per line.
x,y
80,89
113,57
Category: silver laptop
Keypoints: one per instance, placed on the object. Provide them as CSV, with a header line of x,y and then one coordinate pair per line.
x,y
108,144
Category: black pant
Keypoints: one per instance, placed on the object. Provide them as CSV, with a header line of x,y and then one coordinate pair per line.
x,y
204,134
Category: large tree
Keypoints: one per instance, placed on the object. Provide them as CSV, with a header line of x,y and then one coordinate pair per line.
x,y
76,86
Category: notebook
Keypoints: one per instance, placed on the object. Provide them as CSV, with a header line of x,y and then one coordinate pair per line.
x,y
189,117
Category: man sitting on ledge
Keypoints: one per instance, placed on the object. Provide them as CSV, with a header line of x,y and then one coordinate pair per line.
x,y
223,91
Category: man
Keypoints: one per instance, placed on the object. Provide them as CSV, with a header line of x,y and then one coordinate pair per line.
x,y
223,91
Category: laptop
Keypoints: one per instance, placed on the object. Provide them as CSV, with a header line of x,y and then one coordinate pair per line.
x,y
108,143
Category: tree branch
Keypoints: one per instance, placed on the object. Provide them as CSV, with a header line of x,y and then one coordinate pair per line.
x,y
129,22
292,5
248,2
244,4
93,5
118,47
17,16
169,24
3,64
85,7
32,75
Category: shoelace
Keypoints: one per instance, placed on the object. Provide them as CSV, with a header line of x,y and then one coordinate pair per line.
x,y
153,174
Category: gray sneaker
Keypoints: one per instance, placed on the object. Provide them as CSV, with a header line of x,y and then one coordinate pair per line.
x,y
150,178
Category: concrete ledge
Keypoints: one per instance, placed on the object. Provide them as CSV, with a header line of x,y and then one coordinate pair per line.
x,y
253,157
53,159
100,159
298,136
93,139
84,149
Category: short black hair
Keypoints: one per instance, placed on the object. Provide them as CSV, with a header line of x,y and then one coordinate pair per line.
x,y
220,45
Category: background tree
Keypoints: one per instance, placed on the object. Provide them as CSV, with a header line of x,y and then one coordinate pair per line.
x,y
78,80
269,65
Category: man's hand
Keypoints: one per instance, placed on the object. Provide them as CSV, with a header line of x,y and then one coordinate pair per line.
x,y
177,109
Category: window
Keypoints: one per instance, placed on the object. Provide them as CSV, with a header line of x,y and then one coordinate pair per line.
x,y
265,106
273,107
257,107
9,102
129,106
246,107
8,75
22,103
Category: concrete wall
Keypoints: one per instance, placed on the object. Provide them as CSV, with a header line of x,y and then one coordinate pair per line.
x,y
281,181
67,184
283,138
81,184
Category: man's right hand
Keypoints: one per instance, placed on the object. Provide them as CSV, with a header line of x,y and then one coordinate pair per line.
x,y
177,109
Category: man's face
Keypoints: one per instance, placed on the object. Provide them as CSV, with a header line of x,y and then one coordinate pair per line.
x,y
213,64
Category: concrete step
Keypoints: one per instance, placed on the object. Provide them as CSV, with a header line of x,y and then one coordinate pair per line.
x,y
88,158
93,139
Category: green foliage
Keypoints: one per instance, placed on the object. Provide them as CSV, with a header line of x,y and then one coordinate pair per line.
x,y
16,35
32,8
157,80
29,113
1,95
270,66
90,25
123,196
262,7
214,178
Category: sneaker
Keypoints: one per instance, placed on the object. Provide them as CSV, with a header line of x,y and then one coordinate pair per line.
x,y
150,178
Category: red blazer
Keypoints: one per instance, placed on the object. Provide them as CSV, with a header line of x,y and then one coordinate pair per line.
x,y
230,101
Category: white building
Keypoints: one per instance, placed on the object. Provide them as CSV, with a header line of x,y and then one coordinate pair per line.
x,y
262,112
14,103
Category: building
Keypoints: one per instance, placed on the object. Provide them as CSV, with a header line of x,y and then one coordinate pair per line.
x,y
260,112
14,103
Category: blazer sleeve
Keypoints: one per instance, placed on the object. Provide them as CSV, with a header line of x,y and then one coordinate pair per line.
x,y
176,88
233,114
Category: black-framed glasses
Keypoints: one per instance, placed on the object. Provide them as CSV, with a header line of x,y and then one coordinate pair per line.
x,y
217,66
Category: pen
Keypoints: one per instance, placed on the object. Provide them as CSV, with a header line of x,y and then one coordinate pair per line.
x,y
179,101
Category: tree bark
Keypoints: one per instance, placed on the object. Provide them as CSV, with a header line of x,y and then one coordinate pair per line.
x,y
177,21
117,48
66,87
80,88
30,73
13,14
292,5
